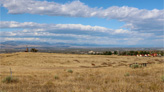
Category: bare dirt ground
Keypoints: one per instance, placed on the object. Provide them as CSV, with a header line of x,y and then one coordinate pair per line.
x,y
50,72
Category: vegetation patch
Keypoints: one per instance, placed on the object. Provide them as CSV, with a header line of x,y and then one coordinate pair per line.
x,y
154,87
49,84
127,74
70,71
162,78
56,77
9,79
2,91
134,66
33,50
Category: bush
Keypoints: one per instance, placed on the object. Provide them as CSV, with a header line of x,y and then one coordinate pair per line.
x,y
162,78
2,91
115,52
134,66
70,71
34,50
56,77
9,79
107,53
127,74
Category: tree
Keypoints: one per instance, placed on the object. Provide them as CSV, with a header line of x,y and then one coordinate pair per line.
x,y
33,50
136,52
123,53
131,52
107,53
141,52
162,53
115,52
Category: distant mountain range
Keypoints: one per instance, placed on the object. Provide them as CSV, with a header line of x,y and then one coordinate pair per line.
x,y
17,46
14,44
46,44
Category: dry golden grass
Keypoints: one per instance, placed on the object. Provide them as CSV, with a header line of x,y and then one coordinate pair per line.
x,y
49,72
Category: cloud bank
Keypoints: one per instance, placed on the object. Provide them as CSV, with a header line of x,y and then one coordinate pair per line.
x,y
143,26
73,33
135,19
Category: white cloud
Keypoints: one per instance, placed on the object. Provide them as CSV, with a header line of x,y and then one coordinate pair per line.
x,y
79,9
143,25
20,39
135,19
73,33
67,28
55,27
14,24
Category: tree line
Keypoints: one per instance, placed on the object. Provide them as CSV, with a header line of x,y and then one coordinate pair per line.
x,y
130,52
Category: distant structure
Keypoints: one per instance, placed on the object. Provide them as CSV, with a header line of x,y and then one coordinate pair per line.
x,y
26,49
149,55
91,52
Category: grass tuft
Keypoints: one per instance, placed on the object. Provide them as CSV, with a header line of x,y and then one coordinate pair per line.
x,y
136,66
162,78
56,77
9,79
2,91
127,74
70,71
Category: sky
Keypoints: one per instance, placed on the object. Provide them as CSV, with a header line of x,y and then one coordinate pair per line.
x,y
95,22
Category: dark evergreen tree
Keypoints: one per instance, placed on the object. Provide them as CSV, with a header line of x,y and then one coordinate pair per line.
x,y
33,50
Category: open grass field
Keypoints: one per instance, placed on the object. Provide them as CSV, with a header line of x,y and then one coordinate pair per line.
x,y
50,72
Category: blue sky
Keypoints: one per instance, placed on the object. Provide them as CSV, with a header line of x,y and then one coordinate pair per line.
x,y
100,22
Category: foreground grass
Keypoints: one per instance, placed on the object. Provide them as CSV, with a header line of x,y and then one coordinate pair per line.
x,y
9,79
73,78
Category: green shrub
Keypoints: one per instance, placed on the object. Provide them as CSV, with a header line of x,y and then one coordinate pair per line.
x,y
9,79
127,74
134,66
33,50
56,77
162,78
70,71
2,91
140,66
